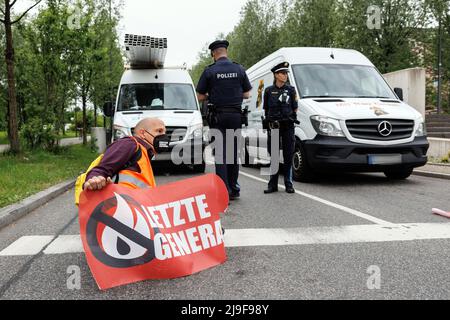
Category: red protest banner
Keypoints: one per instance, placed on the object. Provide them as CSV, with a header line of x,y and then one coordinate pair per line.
x,y
167,232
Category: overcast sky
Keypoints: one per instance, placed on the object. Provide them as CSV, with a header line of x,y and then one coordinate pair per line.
x,y
188,24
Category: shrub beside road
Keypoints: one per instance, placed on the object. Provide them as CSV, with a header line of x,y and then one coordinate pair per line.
x,y
34,171
3,138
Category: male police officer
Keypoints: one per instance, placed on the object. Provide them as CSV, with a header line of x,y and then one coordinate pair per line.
x,y
225,84
280,108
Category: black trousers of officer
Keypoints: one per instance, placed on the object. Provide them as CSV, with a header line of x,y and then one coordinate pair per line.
x,y
227,168
287,137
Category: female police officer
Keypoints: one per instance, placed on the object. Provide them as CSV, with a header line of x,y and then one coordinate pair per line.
x,y
280,107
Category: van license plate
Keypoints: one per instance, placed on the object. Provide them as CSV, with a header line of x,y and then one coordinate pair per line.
x,y
385,159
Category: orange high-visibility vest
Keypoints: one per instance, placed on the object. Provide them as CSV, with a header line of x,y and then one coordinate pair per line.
x,y
139,180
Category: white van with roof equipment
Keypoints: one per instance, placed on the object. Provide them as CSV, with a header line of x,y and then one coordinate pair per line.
x,y
149,89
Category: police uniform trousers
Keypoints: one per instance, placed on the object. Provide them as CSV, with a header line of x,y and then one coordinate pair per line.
x,y
287,137
227,166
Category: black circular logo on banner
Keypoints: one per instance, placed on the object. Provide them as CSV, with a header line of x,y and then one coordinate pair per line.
x,y
100,217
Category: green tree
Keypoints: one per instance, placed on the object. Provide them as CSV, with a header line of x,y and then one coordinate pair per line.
x,y
8,20
63,62
109,68
94,44
446,49
256,34
428,42
3,92
309,23
204,60
440,44
57,51
45,77
390,47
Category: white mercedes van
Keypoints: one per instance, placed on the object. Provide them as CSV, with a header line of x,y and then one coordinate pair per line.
x,y
350,119
148,89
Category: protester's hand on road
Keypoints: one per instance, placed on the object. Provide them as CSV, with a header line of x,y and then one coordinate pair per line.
x,y
97,183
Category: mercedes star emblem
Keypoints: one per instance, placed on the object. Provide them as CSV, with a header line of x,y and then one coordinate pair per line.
x,y
385,128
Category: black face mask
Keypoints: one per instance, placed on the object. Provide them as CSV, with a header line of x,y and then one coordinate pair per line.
x,y
161,143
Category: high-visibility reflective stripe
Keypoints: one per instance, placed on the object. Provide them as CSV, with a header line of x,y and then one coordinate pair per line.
x,y
138,183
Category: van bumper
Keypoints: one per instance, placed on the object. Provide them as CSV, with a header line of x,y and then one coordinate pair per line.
x,y
192,149
341,154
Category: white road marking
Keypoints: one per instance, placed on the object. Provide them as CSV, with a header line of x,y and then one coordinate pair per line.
x,y
32,245
331,204
336,235
65,244
27,246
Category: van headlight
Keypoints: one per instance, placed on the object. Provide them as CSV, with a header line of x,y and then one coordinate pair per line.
x,y
120,132
422,130
327,126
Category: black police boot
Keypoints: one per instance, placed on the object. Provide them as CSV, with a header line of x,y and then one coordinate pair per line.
x,y
234,195
290,189
270,190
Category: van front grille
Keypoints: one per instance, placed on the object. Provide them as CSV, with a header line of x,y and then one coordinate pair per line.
x,y
176,134
375,129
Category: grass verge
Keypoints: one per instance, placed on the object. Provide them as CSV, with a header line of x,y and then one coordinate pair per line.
x,y
32,172
69,134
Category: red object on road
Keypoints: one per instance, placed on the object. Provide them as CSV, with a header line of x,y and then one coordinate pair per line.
x,y
441,213
167,232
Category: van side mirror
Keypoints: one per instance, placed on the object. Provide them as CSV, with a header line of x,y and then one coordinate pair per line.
x,y
399,93
108,109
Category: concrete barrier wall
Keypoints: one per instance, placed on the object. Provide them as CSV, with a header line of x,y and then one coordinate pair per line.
x,y
438,147
413,83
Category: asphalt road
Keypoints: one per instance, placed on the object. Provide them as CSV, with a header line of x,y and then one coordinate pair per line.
x,y
324,268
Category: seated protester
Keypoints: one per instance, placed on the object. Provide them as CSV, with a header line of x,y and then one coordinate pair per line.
x,y
127,161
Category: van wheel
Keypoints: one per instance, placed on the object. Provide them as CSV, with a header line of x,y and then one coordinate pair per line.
x,y
302,171
400,174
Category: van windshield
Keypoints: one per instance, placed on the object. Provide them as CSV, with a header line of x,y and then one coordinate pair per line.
x,y
157,96
340,81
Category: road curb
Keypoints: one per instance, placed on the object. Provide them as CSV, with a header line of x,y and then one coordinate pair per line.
x,y
18,210
432,174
